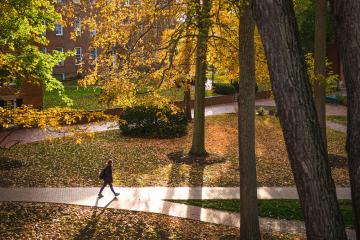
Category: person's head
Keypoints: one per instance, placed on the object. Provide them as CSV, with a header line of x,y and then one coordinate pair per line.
x,y
110,162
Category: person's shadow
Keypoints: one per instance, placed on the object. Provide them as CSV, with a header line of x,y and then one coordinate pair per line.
x,y
89,230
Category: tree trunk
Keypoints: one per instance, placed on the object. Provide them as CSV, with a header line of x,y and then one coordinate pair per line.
x,y
292,90
347,21
203,22
187,81
249,222
187,101
320,64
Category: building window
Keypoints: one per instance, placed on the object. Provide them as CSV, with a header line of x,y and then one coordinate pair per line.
x,y
59,30
10,102
93,53
76,1
44,49
78,56
59,76
77,26
59,1
62,62
127,2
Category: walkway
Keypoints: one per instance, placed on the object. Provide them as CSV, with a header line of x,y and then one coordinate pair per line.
x,y
151,199
22,136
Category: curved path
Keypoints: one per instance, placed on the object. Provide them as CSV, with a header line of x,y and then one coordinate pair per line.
x,y
152,199
21,136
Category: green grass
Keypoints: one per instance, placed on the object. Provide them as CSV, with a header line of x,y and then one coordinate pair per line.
x,y
177,94
86,97
338,119
279,209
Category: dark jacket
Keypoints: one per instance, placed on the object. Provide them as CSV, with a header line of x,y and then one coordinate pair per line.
x,y
107,174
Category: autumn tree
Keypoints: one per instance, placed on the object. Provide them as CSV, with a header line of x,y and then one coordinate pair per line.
x,y
22,25
292,90
347,20
249,221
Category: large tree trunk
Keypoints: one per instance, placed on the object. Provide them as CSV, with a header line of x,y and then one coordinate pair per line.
x,y
320,64
292,90
249,222
187,101
187,82
203,22
347,20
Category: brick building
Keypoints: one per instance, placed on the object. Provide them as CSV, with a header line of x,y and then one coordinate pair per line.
x,y
69,38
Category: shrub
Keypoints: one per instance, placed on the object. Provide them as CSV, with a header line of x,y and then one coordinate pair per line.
x,y
223,88
153,121
273,112
341,99
261,111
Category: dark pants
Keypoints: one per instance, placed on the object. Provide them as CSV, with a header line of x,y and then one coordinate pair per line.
x,y
104,185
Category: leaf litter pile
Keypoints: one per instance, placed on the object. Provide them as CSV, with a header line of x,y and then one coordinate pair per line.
x,y
58,221
149,162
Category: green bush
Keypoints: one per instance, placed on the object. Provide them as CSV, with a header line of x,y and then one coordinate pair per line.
x,y
153,121
261,111
341,99
223,88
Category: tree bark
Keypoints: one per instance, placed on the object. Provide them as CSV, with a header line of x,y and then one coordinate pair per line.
x,y
320,64
249,221
347,21
292,90
187,83
203,22
187,101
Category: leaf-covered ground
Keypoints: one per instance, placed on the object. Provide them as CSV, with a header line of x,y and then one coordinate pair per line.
x,y
149,162
57,221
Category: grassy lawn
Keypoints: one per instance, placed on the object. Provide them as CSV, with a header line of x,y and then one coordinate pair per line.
x,y
148,162
338,119
280,209
86,98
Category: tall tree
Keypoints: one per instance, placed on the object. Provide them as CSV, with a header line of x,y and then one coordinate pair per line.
x,y
249,222
347,20
320,64
203,21
292,90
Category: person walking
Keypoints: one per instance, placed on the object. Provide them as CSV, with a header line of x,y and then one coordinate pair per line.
x,y
106,175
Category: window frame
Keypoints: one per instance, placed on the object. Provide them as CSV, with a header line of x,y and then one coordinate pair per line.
x,y
78,60
62,30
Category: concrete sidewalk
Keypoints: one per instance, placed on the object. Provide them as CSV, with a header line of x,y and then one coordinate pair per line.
x,y
151,199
